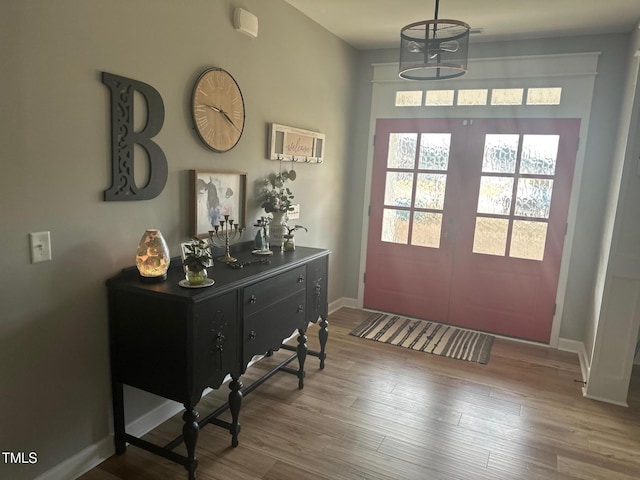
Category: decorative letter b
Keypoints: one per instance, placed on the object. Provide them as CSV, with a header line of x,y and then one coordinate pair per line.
x,y
123,138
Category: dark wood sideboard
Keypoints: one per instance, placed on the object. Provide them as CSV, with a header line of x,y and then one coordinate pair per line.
x,y
175,342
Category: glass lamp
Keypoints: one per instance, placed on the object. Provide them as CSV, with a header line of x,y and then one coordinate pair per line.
x,y
152,257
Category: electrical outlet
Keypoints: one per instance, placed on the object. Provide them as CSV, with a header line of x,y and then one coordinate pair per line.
x,y
295,213
40,247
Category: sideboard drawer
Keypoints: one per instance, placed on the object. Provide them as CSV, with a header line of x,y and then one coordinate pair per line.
x,y
266,329
266,292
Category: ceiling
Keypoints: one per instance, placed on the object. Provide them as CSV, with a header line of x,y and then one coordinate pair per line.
x,y
371,24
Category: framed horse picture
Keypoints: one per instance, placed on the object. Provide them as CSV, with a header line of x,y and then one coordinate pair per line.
x,y
213,195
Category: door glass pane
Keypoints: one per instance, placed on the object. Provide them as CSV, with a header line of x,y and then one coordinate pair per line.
x,y
426,229
533,198
500,153
398,188
495,195
402,150
434,151
539,154
430,190
395,226
490,236
528,239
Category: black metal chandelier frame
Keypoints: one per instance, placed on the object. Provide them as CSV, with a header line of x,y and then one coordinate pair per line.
x,y
434,49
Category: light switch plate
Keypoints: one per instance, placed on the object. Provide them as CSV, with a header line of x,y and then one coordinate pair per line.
x,y
40,243
295,213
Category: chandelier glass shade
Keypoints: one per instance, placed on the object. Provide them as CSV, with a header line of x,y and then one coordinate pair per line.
x,y
434,49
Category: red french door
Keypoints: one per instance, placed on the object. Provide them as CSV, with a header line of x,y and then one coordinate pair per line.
x,y
468,220
413,203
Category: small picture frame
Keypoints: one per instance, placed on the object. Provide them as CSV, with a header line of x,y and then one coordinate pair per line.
x,y
183,253
214,195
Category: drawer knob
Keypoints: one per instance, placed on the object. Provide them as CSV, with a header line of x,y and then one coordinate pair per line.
x,y
300,308
300,278
252,335
253,299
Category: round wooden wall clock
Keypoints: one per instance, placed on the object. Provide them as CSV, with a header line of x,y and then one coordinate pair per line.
x,y
217,108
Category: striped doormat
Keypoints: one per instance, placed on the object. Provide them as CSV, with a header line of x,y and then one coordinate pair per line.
x,y
426,336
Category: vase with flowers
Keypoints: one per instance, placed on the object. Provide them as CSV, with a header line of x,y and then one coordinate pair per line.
x,y
197,257
289,244
277,200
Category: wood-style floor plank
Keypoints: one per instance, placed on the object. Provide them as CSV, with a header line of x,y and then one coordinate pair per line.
x,y
381,412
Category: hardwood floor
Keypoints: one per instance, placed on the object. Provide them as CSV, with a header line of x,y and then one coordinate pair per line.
x,y
380,412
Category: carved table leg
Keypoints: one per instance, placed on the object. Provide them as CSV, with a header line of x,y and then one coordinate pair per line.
x,y
190,431
301,351
118,417
323,336
235,402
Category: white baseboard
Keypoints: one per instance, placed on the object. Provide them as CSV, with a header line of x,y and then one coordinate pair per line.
x,y
147,422
605,400
81,462
95,454
342,302
578,347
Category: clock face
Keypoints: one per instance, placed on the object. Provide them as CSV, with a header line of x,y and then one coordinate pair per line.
x,y
218,109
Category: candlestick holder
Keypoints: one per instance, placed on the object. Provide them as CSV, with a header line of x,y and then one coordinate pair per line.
x,y
226,233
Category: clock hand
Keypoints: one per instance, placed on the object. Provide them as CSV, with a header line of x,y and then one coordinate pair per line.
x,y
224,114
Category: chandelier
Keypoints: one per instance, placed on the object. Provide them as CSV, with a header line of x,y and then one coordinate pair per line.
x,y
434,49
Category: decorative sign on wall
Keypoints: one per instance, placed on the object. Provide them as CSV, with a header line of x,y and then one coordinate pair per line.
x,y
123,138
291,144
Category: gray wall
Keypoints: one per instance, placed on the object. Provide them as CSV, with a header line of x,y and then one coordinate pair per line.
x,y
54,139
578,316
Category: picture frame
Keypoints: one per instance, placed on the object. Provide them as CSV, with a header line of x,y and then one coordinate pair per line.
x,y
214,194
183,253
290,144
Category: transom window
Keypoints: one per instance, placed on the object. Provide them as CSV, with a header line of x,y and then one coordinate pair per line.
x,y
479,97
